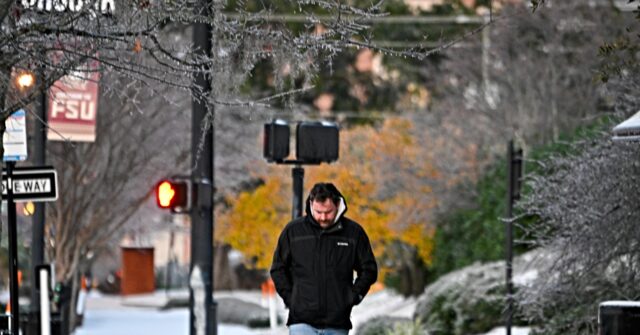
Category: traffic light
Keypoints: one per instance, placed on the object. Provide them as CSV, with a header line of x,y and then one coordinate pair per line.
x,y
173,194
276,141
317,142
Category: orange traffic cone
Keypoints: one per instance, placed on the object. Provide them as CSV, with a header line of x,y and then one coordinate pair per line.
x,y
263,288
271,287
8,309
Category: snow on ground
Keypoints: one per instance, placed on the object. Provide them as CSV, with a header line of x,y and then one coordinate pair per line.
x,y
514,331
140,315
383,303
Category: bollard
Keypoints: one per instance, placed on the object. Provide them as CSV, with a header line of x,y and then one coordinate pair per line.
x,y
45,311
82,298
271,291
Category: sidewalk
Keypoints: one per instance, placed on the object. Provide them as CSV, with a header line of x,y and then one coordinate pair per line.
x,y
384,302
148,314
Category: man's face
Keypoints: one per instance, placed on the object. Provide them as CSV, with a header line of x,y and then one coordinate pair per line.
x,y
324,212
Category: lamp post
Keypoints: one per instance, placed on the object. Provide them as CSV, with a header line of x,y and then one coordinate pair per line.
x,y
24,80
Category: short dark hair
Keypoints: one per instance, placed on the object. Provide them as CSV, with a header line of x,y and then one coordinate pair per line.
x,y
323,191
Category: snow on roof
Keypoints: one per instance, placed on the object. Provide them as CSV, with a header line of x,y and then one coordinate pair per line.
x,y
620,303
628,129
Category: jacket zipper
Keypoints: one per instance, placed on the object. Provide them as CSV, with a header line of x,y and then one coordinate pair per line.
x,y
323,267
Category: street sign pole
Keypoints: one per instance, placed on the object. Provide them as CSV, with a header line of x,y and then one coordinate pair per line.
x,y
23,184
13,252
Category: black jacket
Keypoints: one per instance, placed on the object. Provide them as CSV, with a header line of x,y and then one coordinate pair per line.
x,y
313,270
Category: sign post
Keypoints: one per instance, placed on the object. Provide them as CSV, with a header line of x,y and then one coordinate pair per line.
x,y
21,185
13,251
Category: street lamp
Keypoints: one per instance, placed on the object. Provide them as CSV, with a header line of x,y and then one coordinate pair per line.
x,y
28,208
25,80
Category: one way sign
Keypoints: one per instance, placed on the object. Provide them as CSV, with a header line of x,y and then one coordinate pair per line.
x,y
32,184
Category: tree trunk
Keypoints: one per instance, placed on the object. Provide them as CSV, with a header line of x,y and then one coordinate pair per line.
x,y
224,276
63,302
75,289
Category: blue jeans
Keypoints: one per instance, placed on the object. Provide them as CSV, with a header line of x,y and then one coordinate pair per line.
x,y
305,329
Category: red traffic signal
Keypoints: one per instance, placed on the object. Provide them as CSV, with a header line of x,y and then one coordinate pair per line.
x,y
173,194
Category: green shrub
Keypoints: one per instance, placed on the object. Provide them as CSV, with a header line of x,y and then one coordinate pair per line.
x,y
381,325
408,328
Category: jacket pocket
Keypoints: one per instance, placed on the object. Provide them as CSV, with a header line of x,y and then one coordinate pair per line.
x,y
304,301
339,304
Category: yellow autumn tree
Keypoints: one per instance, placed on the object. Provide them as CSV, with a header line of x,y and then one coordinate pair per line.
x,y
254,221
404,173
384,176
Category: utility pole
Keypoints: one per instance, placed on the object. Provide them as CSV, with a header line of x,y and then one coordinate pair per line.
x,y
202,315
38,219
514,175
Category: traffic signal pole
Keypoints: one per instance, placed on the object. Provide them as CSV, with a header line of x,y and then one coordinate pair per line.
x,y
202,308
297,174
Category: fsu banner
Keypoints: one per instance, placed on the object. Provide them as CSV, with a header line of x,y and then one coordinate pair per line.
x,y
73,107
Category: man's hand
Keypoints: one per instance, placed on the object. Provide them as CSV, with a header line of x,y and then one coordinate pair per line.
x,y
356,298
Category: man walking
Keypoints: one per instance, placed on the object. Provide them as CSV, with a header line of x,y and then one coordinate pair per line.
x,y
314,262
